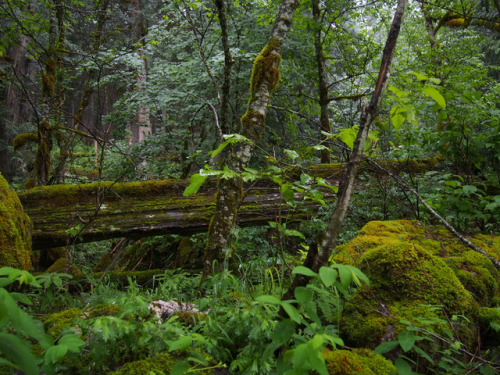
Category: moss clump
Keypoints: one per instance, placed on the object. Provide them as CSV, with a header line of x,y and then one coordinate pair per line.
x,y
160,363
57,322
412,266
356,362
15,230
108,309
266,67
24,138
60,266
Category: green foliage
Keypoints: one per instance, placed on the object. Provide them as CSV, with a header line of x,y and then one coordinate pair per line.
x,y
17,328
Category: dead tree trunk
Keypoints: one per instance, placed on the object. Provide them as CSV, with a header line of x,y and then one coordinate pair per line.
x,y
320,251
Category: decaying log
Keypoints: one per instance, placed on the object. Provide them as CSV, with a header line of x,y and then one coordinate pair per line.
x,y
138,209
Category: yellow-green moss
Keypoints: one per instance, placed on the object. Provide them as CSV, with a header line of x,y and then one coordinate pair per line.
x,y
57,322
15,230
60,266
160,363
266,67
24,138
411,266
357,362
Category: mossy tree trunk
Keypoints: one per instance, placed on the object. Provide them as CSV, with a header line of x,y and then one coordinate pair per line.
x,y
51,91
321,250
64,147
322,79
264,80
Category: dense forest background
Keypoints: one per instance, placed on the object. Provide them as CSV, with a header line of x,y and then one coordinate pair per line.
x,y
136,90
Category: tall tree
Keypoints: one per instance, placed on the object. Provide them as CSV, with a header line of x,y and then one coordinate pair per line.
x,y
264,80
321,249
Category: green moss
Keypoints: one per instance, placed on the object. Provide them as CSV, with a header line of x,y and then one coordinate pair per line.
x,y
357,362
411,266
24,138
103,310
57,322
266,67
160,363
60,266
15,230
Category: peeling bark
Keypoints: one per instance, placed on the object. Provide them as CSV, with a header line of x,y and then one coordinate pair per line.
x,y
320,251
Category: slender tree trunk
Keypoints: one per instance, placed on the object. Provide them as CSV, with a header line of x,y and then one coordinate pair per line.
x,y
321,250
142,125
50,109
264,80
322,79
102,8
228,63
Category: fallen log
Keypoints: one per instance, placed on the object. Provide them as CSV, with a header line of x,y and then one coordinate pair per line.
x,y
104,210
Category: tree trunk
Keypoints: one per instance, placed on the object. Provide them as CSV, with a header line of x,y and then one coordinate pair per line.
x,y
321,250
142,125
264,80
322,80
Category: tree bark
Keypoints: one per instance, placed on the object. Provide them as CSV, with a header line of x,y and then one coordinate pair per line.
x,y
322,80
264,80
321,250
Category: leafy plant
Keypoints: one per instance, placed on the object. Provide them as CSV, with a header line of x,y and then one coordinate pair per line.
x,y
17,328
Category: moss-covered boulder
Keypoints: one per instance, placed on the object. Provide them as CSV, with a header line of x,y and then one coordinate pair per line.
x,y
163,363
357,362
15,230
411,267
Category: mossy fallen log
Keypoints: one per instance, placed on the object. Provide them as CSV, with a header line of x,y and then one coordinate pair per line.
x,y
98,211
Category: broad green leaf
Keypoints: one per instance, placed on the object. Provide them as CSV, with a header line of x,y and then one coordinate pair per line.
x,y
72,342
348,136
288,193
434,94
397,120
55,353
345,274
18,352
196,181
403,367
283,332
385,347
293,155
268,299
407,340
423,354
469,189
292,312
293,233
328,276
21,298
303,294
181,344
301,270
419,76
180,368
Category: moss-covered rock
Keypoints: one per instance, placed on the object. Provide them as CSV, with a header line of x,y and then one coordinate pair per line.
x,y
60,266
162,364
357,362
57,322
15,230
411,267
